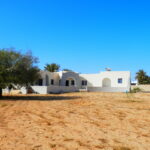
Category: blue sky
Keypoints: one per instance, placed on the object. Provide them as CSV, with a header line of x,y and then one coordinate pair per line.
x,y
83,35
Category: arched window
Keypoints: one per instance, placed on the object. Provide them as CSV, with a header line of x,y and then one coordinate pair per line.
x,y
70,82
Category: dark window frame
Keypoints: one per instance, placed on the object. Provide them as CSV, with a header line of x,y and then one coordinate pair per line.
x,y
52,81
72,82
40,82
84,83
120,80
67,83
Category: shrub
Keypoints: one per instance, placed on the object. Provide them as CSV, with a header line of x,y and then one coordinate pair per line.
x,y
136,90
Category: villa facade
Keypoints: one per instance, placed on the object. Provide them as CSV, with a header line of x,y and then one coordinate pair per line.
x,y
67,81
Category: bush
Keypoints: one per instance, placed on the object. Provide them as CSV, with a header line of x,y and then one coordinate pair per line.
x,y
136,90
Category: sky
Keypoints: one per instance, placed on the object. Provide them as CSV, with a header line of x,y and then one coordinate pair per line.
x,y
82,35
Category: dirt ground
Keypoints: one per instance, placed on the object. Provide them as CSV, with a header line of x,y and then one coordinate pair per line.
x,y
76,121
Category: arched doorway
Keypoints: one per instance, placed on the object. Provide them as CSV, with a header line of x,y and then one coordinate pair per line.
x,y
70,82
106,82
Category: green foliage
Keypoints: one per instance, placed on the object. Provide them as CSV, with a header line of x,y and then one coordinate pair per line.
x,y
7,61
142,77
136,89
17,68
52,67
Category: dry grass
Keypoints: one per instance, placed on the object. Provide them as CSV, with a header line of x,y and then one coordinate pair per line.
x,y
76,121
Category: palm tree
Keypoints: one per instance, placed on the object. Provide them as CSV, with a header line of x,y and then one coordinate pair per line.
x,y
53,67
142,77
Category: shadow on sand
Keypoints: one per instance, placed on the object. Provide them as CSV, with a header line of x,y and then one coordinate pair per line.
x,y
38,98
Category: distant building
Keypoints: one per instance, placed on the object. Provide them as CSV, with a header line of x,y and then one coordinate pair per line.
x,y
134,82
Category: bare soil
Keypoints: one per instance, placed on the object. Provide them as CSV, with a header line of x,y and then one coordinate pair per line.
x,y
76,121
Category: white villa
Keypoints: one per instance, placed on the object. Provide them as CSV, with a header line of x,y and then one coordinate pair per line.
x,y
67,81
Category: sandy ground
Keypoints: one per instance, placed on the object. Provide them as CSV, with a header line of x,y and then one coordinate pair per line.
x,y
76,121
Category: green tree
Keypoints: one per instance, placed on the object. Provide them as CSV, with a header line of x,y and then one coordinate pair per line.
x,y
52,67
142,77
17,68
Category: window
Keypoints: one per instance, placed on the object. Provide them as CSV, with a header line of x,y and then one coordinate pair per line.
x,y
47,80
67,82
120,80
40,82
72,82
84,82
52,82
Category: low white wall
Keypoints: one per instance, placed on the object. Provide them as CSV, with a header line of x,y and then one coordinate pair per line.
x,y
5,91
53,89
108,89
39,89
23,90
61,89
144,87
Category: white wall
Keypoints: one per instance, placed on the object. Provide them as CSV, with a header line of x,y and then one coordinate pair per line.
x,y
40,89
108,89
23,90
53,89
95,80
5,91
114,76
61,89
143,87
92,79
36,89
67,75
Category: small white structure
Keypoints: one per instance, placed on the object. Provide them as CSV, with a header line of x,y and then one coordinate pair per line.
x,y
134,82
67,81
